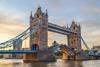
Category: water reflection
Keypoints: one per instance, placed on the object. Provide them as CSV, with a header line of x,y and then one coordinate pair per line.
x,y
74,64
51,64
67,64
59,63
38,64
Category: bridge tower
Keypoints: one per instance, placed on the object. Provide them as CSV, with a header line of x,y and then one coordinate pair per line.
x,y
38,39
74,40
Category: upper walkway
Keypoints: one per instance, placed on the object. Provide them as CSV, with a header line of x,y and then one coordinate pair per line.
x,y
59,29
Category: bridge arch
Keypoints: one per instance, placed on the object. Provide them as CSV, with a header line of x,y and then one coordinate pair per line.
x,y
35,47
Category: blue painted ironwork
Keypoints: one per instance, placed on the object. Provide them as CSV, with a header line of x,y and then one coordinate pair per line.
x,y
16,40
17,51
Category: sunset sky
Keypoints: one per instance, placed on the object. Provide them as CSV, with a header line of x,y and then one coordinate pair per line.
x,y
14,17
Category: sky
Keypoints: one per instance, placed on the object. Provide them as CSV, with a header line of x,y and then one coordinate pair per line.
x,y
14,18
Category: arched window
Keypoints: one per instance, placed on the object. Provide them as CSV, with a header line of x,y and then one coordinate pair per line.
x,y
74,28
34,47
38,15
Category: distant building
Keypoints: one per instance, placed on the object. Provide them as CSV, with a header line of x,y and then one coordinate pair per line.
x,y
96,47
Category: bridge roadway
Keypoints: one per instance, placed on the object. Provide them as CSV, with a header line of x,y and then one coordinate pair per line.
x,y
59,29
17,51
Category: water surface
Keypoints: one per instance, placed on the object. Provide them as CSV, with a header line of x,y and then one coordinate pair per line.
x,y
59,63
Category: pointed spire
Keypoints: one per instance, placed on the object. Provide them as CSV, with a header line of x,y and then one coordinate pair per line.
x,y
31,14
39,6
79,25
46,13
73,22
39,11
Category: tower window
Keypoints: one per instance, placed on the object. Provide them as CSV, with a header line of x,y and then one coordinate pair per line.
x,y
37,15
73,27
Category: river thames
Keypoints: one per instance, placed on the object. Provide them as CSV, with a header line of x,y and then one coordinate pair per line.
x,y
58,63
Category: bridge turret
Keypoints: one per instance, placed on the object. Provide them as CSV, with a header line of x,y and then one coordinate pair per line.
x,y
41,20
31,17
46,14
74,40
38,13
79,28
31,14
38,39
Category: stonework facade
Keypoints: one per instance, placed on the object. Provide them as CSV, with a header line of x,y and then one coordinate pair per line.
x,y
74,40
40,38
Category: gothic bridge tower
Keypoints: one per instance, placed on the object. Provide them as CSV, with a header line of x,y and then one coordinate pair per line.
x,y
74,40
39,38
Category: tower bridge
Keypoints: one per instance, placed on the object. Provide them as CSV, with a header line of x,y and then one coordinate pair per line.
x,y
38,33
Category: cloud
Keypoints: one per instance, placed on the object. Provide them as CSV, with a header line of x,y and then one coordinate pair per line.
x,y
55,3
91,32
90,25
59,20
10,26
90,10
